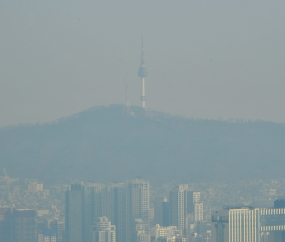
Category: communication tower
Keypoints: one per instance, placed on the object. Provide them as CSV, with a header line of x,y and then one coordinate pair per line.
x,y
142,74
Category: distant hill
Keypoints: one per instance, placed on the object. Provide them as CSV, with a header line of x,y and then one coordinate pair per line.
x,y
107,143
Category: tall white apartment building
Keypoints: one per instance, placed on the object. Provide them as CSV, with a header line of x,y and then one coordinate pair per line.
x,y
198,212
194,206
178,206
182,203
196,197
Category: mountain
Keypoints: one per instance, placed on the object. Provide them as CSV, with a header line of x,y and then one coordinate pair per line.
x,y
109,143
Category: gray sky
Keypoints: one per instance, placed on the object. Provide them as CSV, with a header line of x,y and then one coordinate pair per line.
x,y
205,59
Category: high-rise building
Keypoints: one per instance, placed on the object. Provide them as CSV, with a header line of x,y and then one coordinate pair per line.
x,y
121,203
137,206
240,224
108,201
279,203
41,226
118,210
139,199
198,212
88,219
24,225
74,213
60,231
173,207
158,210
59,227
161,211
272,223
165,213
192,198
103,231
178,206
5,224
235,224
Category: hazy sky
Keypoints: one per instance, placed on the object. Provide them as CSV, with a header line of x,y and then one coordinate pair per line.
x,y
205,59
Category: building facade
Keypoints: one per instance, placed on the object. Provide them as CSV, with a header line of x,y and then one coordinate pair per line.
x,y
5,224
103,231
235,224
198,212
178,207
74,213
24,225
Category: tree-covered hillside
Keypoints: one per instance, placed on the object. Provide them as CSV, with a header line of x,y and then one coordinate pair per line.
x,y
108,143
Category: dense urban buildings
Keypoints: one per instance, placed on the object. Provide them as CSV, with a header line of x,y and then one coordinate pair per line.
x,y
124,205
135,211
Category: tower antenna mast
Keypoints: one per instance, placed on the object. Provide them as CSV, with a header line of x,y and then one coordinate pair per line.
x,y
127,94
142,74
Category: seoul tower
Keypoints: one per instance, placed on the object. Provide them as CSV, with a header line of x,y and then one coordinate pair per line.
x,y
142,74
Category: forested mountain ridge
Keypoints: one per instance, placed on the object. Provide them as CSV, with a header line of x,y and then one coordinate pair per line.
x,y
109,143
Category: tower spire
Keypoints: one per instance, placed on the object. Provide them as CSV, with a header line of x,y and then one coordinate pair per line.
x,y
142,74
142,61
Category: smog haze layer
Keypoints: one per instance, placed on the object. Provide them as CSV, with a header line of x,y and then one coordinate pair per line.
x,y
205,59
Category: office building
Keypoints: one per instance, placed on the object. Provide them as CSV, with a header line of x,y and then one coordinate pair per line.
x,y
59,227
137,206
108,201
279,203
24,225
126,206
161,211
165,213
235,224
118,210
158,210
272,223
74,213
139,199
5,224
192,198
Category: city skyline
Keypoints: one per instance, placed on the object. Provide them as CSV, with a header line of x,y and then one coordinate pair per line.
x,y
114,212
142,121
